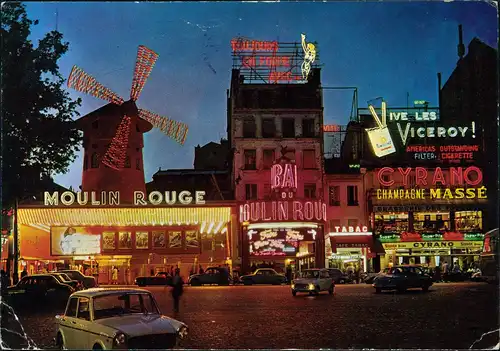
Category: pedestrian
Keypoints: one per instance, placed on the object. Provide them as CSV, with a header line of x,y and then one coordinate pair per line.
x,y
289,274
24,273
177,289
127,276
114,275
253,268
357,274
201,271
437,274
152,271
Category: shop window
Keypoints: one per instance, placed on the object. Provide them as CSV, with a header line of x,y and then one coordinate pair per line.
x,y
268,128
308,128
268,158
431,223
468,221
85,162
94,160
352,195
250,159
251,191
309,159
310,191
334,195
127,161
288,127
249,127
387,224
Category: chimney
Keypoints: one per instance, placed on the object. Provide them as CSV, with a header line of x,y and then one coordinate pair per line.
x,y
461,46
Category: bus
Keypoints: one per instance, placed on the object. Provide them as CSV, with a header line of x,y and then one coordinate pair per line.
x,y
489,257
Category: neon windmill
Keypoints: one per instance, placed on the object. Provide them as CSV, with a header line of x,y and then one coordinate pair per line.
x,y
115,156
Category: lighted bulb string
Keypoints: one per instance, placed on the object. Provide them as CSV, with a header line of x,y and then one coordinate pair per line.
x,y
117,152
146,59
85,83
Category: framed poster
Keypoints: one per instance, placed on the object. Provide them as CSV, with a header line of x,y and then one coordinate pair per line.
x,y
142,240
108,241
175,240
70,241
159,240
124,240
192,241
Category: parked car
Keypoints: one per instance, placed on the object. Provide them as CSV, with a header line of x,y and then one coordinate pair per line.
x,y
161,278
313,281
39,289
65,279
263,276
371,276
212,275
338,276
87,281
402,278
103,319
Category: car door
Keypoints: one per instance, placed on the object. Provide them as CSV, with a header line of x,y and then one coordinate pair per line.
x,y
259,277
413,277
324,280
67,324
83,324
210,276
423,277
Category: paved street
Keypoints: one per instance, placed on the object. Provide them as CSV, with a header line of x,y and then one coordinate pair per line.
x,y
451,315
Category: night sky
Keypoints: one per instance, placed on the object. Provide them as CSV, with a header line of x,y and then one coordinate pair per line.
x,y
385,49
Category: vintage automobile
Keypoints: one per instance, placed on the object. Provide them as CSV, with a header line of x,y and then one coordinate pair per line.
x,y
263,276
402,278
338,276
161,278
65,279
121,318
213,275
313,281
87,281
40,290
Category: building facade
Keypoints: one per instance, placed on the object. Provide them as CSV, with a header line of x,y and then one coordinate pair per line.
x,y
278,126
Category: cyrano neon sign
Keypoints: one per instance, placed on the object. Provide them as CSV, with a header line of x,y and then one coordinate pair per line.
x,y
457,176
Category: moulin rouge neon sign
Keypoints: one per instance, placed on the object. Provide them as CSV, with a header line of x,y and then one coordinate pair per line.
x,y
284,179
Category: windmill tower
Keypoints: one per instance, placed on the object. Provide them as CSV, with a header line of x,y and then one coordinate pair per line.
x,y
113,134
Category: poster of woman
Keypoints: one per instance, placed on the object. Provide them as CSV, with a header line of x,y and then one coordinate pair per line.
x,y
124,240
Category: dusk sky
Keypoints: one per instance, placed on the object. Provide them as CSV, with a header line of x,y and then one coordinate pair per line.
x,y
385,49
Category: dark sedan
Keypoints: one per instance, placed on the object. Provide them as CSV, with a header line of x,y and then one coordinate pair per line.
x,y
213,275
161,278
402,278
87,281
338,276
39,289
65,279
263,276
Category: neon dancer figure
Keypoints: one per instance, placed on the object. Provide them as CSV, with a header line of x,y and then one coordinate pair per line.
x,y
309,56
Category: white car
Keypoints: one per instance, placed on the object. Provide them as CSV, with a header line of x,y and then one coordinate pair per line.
x,y
313,281
103,319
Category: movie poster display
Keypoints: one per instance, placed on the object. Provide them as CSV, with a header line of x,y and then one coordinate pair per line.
x,y
141,240
70,241
278,242
159,240
124,240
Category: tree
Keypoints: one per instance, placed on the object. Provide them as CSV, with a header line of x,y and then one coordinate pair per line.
x,y
39,136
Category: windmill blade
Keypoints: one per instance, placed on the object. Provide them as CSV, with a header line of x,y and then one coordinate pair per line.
x,y
176,130
117,152
146,59
85,83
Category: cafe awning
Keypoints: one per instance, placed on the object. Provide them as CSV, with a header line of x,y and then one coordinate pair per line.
x,y
357,241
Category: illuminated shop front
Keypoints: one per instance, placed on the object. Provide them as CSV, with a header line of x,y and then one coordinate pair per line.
x,y
352,247
137,240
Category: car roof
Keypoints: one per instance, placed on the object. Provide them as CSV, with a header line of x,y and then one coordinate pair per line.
x,y
265,269
97,292
313,269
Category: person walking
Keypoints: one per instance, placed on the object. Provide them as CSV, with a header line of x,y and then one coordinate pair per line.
x,y
177,289
114,276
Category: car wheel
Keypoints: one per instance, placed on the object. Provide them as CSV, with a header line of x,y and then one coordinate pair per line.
x,y
378,290
331,290
96,347
425,288
60,342
294,293
341,281
195,282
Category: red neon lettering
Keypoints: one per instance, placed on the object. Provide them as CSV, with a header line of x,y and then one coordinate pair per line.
x,y
404,174
331,128
456,175
479,175
438,177
421,176
381,179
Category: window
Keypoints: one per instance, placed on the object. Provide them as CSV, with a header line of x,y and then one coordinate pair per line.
x,y
268,158
250,159
138,163
309,159
95,124
267,191
83,309
310,191
308,128
94,161
251,191
268,128
352,195
334,195
71,310
127,161
85,162
249,127
352,222
288,127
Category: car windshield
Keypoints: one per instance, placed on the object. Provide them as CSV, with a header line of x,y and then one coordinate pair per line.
x,y
73,275
127,303
64,277
309,274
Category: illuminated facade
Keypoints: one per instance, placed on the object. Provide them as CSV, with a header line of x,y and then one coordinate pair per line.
x,y
275,131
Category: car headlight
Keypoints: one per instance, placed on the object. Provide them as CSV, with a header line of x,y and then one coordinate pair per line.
x,y
120,339
182,332
293,286
311,287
